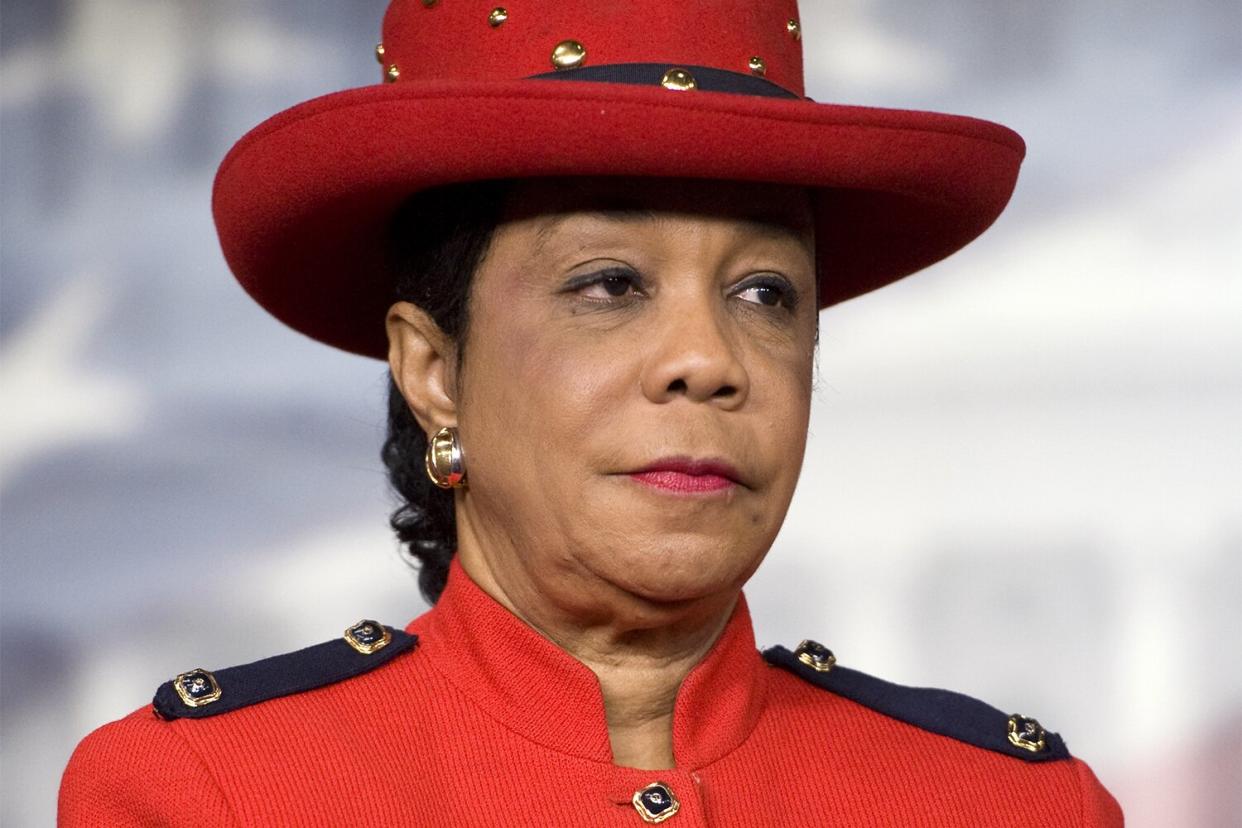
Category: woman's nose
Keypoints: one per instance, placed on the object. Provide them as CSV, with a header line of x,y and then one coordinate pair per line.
x,y
694,356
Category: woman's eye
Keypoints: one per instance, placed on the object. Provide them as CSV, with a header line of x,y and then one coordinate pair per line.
x,y
768,292
607,285
615,286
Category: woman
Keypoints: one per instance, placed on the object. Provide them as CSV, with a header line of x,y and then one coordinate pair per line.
x,y
594,261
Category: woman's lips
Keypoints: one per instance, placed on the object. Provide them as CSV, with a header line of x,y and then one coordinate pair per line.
x,y
680,482
687,476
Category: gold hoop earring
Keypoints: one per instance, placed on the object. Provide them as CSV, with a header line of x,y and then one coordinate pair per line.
x,y
446,465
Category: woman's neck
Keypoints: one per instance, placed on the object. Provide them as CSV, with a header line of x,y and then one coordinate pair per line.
x,y
639,676
640,655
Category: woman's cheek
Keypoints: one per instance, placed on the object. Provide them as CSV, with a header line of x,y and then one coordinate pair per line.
x,y
783,394
577,377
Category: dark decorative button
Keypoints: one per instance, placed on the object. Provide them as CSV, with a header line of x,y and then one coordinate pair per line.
x,y
196,688
816,656
368,636
1027,734
655,803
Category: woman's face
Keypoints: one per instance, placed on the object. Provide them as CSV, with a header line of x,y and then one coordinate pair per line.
x,y
635,388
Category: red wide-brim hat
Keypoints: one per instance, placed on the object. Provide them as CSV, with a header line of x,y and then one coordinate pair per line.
x,y
711,89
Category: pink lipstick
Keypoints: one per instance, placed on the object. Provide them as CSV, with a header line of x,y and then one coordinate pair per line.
x,y
685,476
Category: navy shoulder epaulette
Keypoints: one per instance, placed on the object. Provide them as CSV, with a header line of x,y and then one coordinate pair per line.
x,y
199,693
938,711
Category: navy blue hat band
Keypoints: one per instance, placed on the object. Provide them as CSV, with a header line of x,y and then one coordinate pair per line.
x,y
704,78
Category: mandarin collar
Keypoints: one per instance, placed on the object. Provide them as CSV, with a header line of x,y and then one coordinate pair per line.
x,y
538,690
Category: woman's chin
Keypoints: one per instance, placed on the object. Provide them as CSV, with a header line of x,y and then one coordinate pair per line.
x,y
677,573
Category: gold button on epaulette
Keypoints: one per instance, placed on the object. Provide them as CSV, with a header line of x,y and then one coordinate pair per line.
x,y
367,636
1027,734
816,656
196,688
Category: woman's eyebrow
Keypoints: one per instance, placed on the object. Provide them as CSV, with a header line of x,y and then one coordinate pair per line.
x,y
764,226
777,230
619,214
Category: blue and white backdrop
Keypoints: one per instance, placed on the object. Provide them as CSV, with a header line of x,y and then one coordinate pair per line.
x,y
1024,479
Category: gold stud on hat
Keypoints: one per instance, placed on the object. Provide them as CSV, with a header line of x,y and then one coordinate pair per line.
x,y
568,54
794,29
498,16
757,66
679,80
391,73
379,52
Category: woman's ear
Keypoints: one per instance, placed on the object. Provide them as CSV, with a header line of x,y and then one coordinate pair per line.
x,y
423,360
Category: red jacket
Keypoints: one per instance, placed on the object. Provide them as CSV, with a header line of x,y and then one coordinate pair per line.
x,y
481,721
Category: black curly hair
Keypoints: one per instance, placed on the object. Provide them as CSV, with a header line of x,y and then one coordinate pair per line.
x,y
436,241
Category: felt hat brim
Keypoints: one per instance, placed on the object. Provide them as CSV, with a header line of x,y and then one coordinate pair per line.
x,y
302,203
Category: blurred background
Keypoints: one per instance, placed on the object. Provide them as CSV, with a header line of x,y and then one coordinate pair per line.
x,y
1024,479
